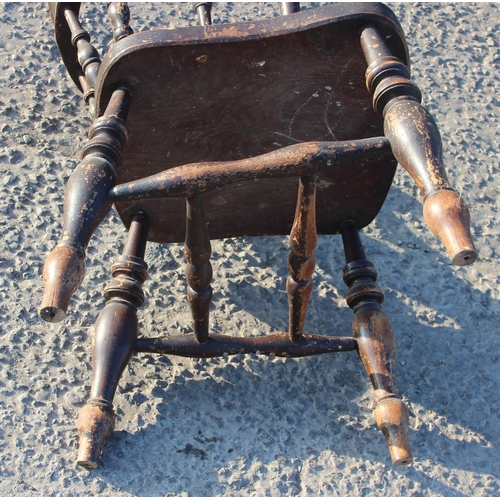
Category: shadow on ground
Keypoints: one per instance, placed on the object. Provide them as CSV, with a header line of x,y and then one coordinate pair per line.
x,y
292,412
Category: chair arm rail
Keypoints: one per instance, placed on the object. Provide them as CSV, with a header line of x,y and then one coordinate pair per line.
x,y
292,161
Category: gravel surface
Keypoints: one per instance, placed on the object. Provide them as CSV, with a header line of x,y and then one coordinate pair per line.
x,y
249,425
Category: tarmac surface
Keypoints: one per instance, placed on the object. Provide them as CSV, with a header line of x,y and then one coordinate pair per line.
x,y
251,425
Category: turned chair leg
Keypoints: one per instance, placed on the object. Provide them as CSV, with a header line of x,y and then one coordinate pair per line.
x,y
376,345
86,204
113,344
416,144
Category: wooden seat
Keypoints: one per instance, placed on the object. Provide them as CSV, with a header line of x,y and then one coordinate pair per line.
x,y
208,132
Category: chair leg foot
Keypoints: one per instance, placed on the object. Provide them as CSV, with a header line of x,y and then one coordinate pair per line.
x,y
63,273
391,416
95,425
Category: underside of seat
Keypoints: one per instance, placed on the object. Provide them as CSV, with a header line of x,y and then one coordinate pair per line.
x,y
220,93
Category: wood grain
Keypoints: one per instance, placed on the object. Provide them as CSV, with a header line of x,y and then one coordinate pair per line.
x,y
220,93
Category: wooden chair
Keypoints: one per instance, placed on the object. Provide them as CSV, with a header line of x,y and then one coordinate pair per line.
x,y
222,124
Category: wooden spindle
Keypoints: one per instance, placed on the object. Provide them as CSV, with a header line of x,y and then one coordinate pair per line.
x,y
204,11
288,8
88,93
198,268
301,262
88,57
119,15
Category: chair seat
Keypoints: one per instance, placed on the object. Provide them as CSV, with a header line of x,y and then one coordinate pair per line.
x,y
228,92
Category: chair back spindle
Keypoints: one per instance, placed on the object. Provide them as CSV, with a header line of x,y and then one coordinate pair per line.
x,y
87,55
289,8
119,16
204,11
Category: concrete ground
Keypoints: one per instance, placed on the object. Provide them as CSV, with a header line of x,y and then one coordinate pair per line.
x,y
249,425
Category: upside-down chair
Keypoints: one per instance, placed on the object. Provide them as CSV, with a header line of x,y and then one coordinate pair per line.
x,y
291,125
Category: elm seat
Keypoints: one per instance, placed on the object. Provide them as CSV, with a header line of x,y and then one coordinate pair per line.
x,y
289,81
207,132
